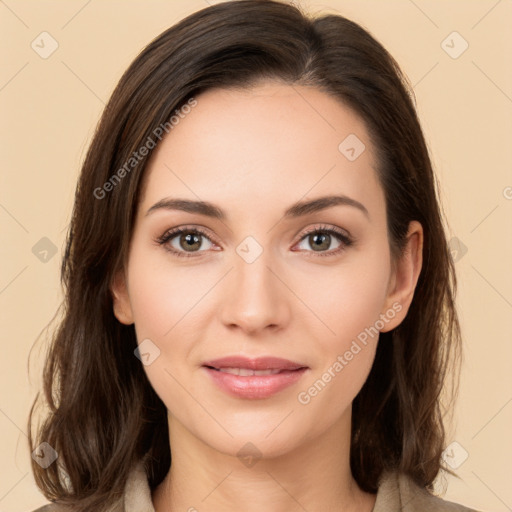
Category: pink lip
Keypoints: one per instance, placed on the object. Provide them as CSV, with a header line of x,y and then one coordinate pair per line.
x,y
260,363
254,386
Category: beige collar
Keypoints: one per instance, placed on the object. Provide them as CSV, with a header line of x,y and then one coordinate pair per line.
x,y
396,493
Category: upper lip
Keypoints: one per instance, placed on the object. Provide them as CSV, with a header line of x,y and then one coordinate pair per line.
x,y
259,363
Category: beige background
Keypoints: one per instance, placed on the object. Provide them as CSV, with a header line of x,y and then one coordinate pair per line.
x,y
49,109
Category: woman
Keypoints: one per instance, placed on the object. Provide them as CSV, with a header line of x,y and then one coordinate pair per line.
x,y
258,284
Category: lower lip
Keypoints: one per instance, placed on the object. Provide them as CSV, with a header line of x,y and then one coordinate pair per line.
x,y
254,386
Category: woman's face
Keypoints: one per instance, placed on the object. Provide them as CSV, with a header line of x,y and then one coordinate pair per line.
x,y
257,282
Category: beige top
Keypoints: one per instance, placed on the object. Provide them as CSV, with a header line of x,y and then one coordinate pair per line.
x,y
396,493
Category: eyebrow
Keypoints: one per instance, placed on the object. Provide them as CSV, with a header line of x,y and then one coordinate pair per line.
x,y
298,209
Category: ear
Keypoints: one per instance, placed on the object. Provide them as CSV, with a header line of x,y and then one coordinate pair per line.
x,y
121,299
404,277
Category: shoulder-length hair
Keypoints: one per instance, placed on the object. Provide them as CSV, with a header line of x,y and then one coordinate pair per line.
x,y
103,415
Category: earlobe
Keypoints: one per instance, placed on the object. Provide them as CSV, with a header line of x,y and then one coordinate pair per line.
x,y
405,277
121,299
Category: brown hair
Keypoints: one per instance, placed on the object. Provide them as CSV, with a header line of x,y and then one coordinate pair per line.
x,y
103,413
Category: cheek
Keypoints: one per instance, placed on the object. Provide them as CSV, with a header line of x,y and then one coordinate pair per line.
x,y
166,307
347,353
349,304
348,300
163,296
329,393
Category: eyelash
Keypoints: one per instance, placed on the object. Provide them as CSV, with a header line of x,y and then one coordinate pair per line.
x,y
169,235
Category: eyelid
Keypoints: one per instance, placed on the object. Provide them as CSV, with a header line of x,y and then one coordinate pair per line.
x,y
343,233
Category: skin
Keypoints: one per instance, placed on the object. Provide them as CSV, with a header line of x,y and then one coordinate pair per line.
x,y
255,152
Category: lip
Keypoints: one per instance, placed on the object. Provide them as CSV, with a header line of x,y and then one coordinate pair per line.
x,y
259,363
254,386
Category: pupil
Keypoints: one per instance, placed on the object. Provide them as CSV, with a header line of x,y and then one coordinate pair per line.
x,y
323,238
191,240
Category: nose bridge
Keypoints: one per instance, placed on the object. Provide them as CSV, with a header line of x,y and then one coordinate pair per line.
x,y
255,297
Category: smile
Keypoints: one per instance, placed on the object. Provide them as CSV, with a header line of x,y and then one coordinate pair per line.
x,y
252,378
245,372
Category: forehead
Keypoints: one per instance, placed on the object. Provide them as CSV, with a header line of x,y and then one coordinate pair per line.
x,y
268,144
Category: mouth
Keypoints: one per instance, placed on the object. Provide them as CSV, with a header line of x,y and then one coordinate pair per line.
x,y
259,378
265,363
247,372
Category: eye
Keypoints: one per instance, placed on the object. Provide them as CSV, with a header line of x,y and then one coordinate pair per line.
x,y
321,237
188,241
184,241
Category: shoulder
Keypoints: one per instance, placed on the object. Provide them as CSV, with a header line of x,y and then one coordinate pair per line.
x,y
399,492
136,497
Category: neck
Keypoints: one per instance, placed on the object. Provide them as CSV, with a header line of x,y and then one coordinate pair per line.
x,y
314,476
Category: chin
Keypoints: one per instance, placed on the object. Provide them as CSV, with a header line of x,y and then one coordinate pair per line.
x,y
259,437
251,448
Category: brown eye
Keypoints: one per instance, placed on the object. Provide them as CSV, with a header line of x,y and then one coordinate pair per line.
x,y
190,241
321,240
184,241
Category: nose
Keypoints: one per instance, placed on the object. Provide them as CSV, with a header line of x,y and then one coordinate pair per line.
x,y
255,298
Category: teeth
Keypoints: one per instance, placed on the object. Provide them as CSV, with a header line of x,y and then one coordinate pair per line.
x,y
245,372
